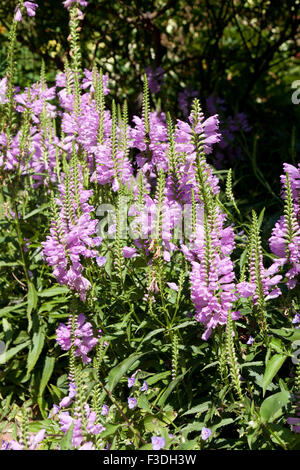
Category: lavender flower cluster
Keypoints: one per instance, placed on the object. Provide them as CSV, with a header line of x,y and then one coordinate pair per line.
x,y
105,161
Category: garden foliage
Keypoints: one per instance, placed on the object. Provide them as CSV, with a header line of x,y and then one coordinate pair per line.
x,y
141,309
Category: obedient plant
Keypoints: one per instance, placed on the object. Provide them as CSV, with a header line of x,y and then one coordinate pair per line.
x,y
285,239
178,294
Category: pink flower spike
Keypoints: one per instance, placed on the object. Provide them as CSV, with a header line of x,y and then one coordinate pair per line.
x,y
30,8
129,252
18,15
37,439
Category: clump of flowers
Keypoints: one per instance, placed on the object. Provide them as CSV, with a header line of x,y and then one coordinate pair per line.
x,y
33,442
30,8
72,235
285,238
84,340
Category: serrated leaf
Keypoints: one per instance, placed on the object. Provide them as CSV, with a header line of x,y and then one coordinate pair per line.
x,y
260,218
281,435
184,324
152,423
169,416
223,422
276,344
10,263
42,406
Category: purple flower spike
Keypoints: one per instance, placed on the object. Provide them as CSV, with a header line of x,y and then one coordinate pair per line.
x,y
18,15
101,260
30,8
68,3
129,252
246,289
84,340
173,286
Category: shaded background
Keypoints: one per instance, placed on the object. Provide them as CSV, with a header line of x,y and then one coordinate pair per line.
x,y
242,55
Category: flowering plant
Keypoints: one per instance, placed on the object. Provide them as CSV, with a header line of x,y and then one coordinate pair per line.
x,y
174,322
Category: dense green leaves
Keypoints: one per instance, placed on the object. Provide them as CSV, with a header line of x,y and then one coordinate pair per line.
x,y
151,374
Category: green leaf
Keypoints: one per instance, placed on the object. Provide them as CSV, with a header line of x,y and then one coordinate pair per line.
x,y
273,404
198,409
188,445
36,211
153,333
4,311
169,416
47,372
261,218
42,406
66,442
10,263
170,389
32,299
38,341
53,291
7,355
110,429
184,324
195,426
282,435
252,436
143,403
118,371
157,377
223,422
146,447
153,424
277,345
290,334
272,367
